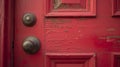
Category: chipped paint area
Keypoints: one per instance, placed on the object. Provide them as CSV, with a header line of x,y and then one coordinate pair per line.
x,y
59,4
57,20
109,42
109,38
82,31
111,29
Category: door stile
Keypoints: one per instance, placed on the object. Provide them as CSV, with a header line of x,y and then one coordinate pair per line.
x,y
7,30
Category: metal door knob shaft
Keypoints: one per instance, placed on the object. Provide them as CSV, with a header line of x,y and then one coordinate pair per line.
x,y
31,45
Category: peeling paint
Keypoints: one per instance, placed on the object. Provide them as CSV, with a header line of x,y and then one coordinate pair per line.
x,y
118,41
109,37
118,37
57,20
57,4
66,31
111,29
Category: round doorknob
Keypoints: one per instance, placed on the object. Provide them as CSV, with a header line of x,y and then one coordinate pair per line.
x,y
31,45
29,19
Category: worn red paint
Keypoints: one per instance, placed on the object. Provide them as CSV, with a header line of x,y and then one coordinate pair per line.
x,y
66,36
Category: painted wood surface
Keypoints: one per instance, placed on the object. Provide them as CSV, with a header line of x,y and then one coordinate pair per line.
x,y
68,40
1,21
5,32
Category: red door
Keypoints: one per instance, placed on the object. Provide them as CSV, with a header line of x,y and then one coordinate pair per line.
x,y
71,33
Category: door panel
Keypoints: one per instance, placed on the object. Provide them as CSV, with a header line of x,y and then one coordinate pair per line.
x,y
80,33
70,8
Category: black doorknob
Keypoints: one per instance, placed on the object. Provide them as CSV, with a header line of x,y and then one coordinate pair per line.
x,y
29,19
31,45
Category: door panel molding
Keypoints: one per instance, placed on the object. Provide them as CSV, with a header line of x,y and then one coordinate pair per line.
x,y
78,8
116,7
70,59
115,59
